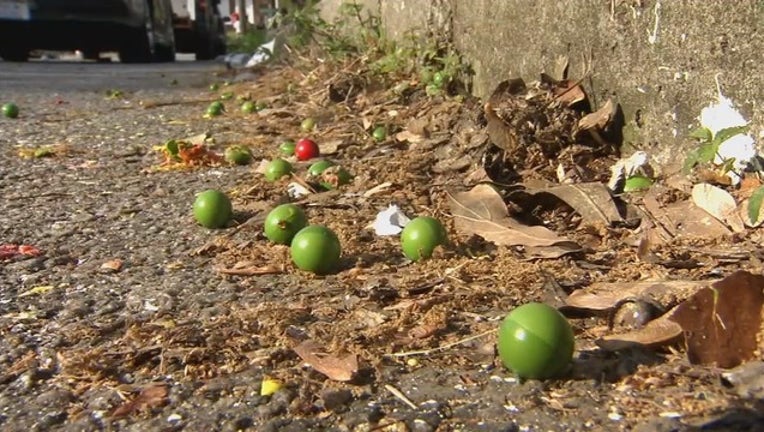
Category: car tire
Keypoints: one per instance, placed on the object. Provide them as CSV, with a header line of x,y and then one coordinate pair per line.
x,y
164,53
139,46
205,48
139,51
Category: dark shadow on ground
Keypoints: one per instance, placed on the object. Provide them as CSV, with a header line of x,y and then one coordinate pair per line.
x,y
601,365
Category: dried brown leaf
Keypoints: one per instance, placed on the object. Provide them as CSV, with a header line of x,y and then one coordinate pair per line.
x,y
656,333
249,270
599,119
482,211
479,175
336,368
424,331
329,147
722,323
417,127
604,296
682,218
113,265
748,184
499,132
407,136
644,248
569,92
152,396
591,200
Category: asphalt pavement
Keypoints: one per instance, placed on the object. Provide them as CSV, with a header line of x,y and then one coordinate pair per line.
x,y
68,73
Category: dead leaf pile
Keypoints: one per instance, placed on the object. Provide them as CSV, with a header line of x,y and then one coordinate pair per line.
x,y
720,324
534,124
482,212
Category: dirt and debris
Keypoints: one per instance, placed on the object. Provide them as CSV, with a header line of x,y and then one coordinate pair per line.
x,y
383,343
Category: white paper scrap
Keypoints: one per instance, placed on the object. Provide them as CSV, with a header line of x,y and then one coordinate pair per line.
x,y
390,221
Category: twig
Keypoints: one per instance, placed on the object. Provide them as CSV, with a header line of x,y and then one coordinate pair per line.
x,y
442,347
402,397
233,231
157,104
300,181
249,271
42,195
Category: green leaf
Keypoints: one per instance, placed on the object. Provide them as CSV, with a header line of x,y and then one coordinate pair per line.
x,y
707,152
754,204
702,134
727,133
637,183
172,147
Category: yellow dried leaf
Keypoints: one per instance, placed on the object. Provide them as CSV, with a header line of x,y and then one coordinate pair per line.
x,y
42,289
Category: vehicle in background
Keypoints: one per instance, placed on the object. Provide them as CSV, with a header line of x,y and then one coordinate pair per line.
x,y
139,30
199,28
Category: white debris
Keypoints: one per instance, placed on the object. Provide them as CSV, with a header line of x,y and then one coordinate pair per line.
x,y
639,162
247,60
296,190
390,221
511,408
562,176
172,418
741,148
615,416
721,115
263,53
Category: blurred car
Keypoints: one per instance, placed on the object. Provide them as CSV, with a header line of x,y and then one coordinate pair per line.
x,y
199,28
139,30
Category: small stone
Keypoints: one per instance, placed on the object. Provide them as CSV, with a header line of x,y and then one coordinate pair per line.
x,y
283,397
276,425
49,420
419,425
58,398
270,410
336,399
243,423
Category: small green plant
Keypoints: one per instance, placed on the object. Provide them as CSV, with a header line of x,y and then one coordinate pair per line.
x,y
246,42
307,27
356,33
708,147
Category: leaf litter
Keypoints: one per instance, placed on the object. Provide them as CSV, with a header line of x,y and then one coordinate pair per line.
x,y
498,252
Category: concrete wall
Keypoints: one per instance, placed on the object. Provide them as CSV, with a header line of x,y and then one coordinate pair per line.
x,y
657,58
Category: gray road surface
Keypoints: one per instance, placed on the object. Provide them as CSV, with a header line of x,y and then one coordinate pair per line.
x,y
72,75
